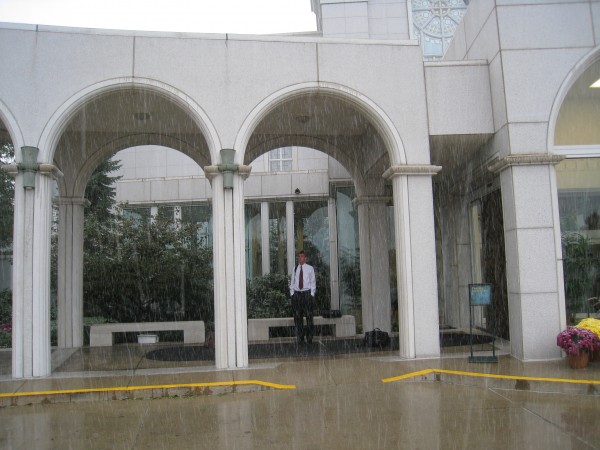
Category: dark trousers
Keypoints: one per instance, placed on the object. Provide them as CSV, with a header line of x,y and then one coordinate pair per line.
x,y
302,306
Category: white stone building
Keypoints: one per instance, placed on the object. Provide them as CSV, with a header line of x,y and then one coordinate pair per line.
x,y
463,151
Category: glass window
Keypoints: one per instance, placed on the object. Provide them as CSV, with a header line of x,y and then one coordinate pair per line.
x,y
200,215
435,22
280,160
166,212
311,228
277,237
348,253
139,215
579,208
253,241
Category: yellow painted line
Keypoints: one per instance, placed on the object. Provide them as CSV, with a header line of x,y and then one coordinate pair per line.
x,y
408,375
158,386
488,375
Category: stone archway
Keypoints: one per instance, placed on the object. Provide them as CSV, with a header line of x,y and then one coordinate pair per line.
x,y
87,129
103,124
346,126
573,133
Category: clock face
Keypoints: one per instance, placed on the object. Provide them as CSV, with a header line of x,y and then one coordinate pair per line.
x,y
435,22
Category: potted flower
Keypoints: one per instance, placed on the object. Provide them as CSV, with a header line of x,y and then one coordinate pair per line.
x,y
578,344
594,326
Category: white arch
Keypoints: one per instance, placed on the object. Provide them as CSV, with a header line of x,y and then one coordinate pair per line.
x,y
382,123
96,158
56,124
578,69
13,128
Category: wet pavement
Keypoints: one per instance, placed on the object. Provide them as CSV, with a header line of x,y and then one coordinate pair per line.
x,y
114,397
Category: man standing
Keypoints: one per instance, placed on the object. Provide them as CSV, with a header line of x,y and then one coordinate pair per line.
x,y
303,286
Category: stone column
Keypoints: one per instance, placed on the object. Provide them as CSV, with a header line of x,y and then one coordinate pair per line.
x,y
31,262
415,259
231,336
290,235
239,250
70,271
536,302
264,238
374,262
333,252
219,268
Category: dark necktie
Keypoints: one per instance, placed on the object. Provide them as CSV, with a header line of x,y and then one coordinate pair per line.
x,y
301,279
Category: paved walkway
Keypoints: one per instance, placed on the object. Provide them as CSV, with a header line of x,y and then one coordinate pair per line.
x,y
309,403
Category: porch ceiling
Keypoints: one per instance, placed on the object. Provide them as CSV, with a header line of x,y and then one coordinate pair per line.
x,y
326,124
123,118
453,151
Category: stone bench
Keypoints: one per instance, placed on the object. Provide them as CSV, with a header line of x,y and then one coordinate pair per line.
x,y
101,335
258,329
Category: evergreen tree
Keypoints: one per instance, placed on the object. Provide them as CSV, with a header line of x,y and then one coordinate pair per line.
x,y
100,190
141,270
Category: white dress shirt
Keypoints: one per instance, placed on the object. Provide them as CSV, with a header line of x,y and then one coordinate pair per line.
x,y
308,278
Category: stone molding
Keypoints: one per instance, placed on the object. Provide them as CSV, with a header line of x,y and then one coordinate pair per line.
x,y
212,171
44,169
411,170
244,171
526,159
10,169
50,170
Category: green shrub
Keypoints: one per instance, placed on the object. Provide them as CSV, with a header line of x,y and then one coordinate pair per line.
x,y
5,306
269,296
5,339
5,318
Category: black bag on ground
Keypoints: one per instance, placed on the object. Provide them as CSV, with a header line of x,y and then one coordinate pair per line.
x,y
377,338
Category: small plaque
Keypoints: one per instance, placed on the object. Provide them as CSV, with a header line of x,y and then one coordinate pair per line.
x,y
480,294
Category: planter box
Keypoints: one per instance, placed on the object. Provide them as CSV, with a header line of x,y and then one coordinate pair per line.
x,y
147,338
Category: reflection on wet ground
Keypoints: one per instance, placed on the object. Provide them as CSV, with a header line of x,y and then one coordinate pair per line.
x,y
338,402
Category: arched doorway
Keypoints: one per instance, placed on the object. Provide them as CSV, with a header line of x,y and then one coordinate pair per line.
x,y
343,128
104,122
575,135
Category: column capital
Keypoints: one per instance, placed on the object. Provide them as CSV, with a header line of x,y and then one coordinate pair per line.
x,y
212,171
525,159
244,171
411,170
50,170
10,169
44,169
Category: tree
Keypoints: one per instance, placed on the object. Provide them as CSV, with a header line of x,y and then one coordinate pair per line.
x,y
149,270
7,196
100,190
578,267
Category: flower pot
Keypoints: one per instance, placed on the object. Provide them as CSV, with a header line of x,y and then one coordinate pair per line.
x,y
595,356
579,361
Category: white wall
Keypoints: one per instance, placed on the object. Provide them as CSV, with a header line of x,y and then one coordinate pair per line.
x,y
152,174
374,19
